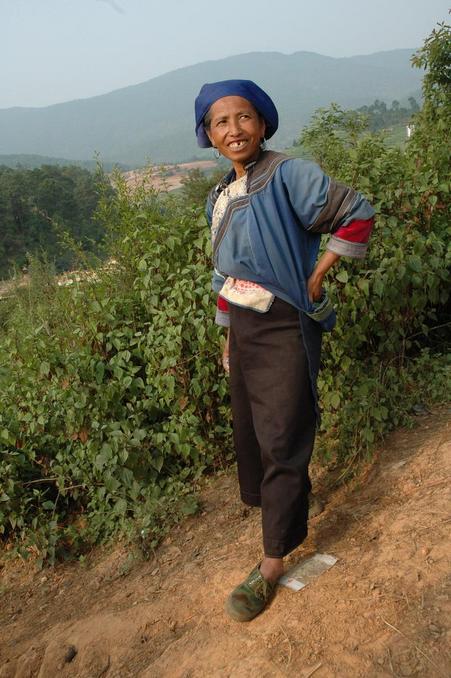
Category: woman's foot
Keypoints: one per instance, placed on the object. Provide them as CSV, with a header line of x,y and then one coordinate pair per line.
x,y
250,597
271,568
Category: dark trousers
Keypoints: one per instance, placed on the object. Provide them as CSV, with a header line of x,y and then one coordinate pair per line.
x,y
273,420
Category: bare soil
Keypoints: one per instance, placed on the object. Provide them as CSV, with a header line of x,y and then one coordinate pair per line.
x,y
382,610
166,177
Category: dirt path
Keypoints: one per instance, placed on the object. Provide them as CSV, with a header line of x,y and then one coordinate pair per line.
x,y
382,610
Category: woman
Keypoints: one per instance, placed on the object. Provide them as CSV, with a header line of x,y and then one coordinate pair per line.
x,y
267,216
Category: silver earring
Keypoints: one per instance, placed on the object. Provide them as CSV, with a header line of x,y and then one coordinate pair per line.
x,y
217,154
263,144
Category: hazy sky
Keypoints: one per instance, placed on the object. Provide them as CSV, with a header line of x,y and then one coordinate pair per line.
x,y
57,50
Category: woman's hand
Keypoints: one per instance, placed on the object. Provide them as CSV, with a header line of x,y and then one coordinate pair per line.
x,y
315,282
225,354
315,286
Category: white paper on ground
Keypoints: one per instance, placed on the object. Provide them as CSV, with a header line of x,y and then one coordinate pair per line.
x,y
307,570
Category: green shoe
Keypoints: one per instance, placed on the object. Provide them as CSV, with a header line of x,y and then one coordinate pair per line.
x,y
250,597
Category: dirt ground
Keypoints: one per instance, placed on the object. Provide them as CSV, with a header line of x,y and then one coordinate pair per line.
x,y
382,610
166,177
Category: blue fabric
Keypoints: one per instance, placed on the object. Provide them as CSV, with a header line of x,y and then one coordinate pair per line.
x,y
268,240
211,92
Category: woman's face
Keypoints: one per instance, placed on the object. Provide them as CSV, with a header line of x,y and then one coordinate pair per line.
x,y
236,130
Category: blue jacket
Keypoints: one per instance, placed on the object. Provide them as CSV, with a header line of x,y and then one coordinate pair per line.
x,y
272,235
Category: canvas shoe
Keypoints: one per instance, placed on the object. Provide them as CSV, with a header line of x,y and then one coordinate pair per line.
x,y
250,597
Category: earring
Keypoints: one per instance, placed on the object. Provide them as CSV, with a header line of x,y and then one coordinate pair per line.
x,y
263,144
216,153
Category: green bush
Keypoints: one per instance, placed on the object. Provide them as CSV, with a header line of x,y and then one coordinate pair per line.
x,y
393,302
389,304
111,400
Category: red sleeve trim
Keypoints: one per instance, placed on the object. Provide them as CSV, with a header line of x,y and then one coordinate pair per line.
x,y
222,304
356,231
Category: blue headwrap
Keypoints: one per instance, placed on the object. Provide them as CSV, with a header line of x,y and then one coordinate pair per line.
x,y
211,92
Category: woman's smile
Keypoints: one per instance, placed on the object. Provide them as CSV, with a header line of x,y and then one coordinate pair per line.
x,y
237,144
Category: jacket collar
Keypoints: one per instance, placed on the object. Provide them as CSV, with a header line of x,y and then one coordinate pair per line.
x,y
259,172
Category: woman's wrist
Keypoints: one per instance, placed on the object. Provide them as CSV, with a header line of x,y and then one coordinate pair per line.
x,y
317,277
324,264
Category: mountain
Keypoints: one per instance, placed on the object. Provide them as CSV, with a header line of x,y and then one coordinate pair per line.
x,y
154,120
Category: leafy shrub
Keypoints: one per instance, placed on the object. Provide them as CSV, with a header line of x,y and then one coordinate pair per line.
x,y
113,403
374,370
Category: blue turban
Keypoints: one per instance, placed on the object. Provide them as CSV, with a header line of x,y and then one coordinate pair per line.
x,y
211,92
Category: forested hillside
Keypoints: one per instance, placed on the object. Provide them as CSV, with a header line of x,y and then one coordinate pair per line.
x,y
40,209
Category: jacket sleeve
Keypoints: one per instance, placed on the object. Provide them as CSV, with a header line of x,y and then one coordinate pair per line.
x,y
324,205
222,312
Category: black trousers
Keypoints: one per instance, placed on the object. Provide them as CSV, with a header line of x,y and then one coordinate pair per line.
x,y
274,420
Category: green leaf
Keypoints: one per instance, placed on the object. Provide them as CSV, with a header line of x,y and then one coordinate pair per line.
x,y
100,372
342,276
157,462
190,506
44,369
335,400
364,285
120,506
414,263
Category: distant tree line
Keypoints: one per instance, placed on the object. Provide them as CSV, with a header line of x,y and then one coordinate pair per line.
x,y
33,161
380,116
42,208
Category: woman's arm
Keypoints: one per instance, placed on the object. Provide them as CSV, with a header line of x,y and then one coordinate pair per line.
x,y
324,205
315,282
